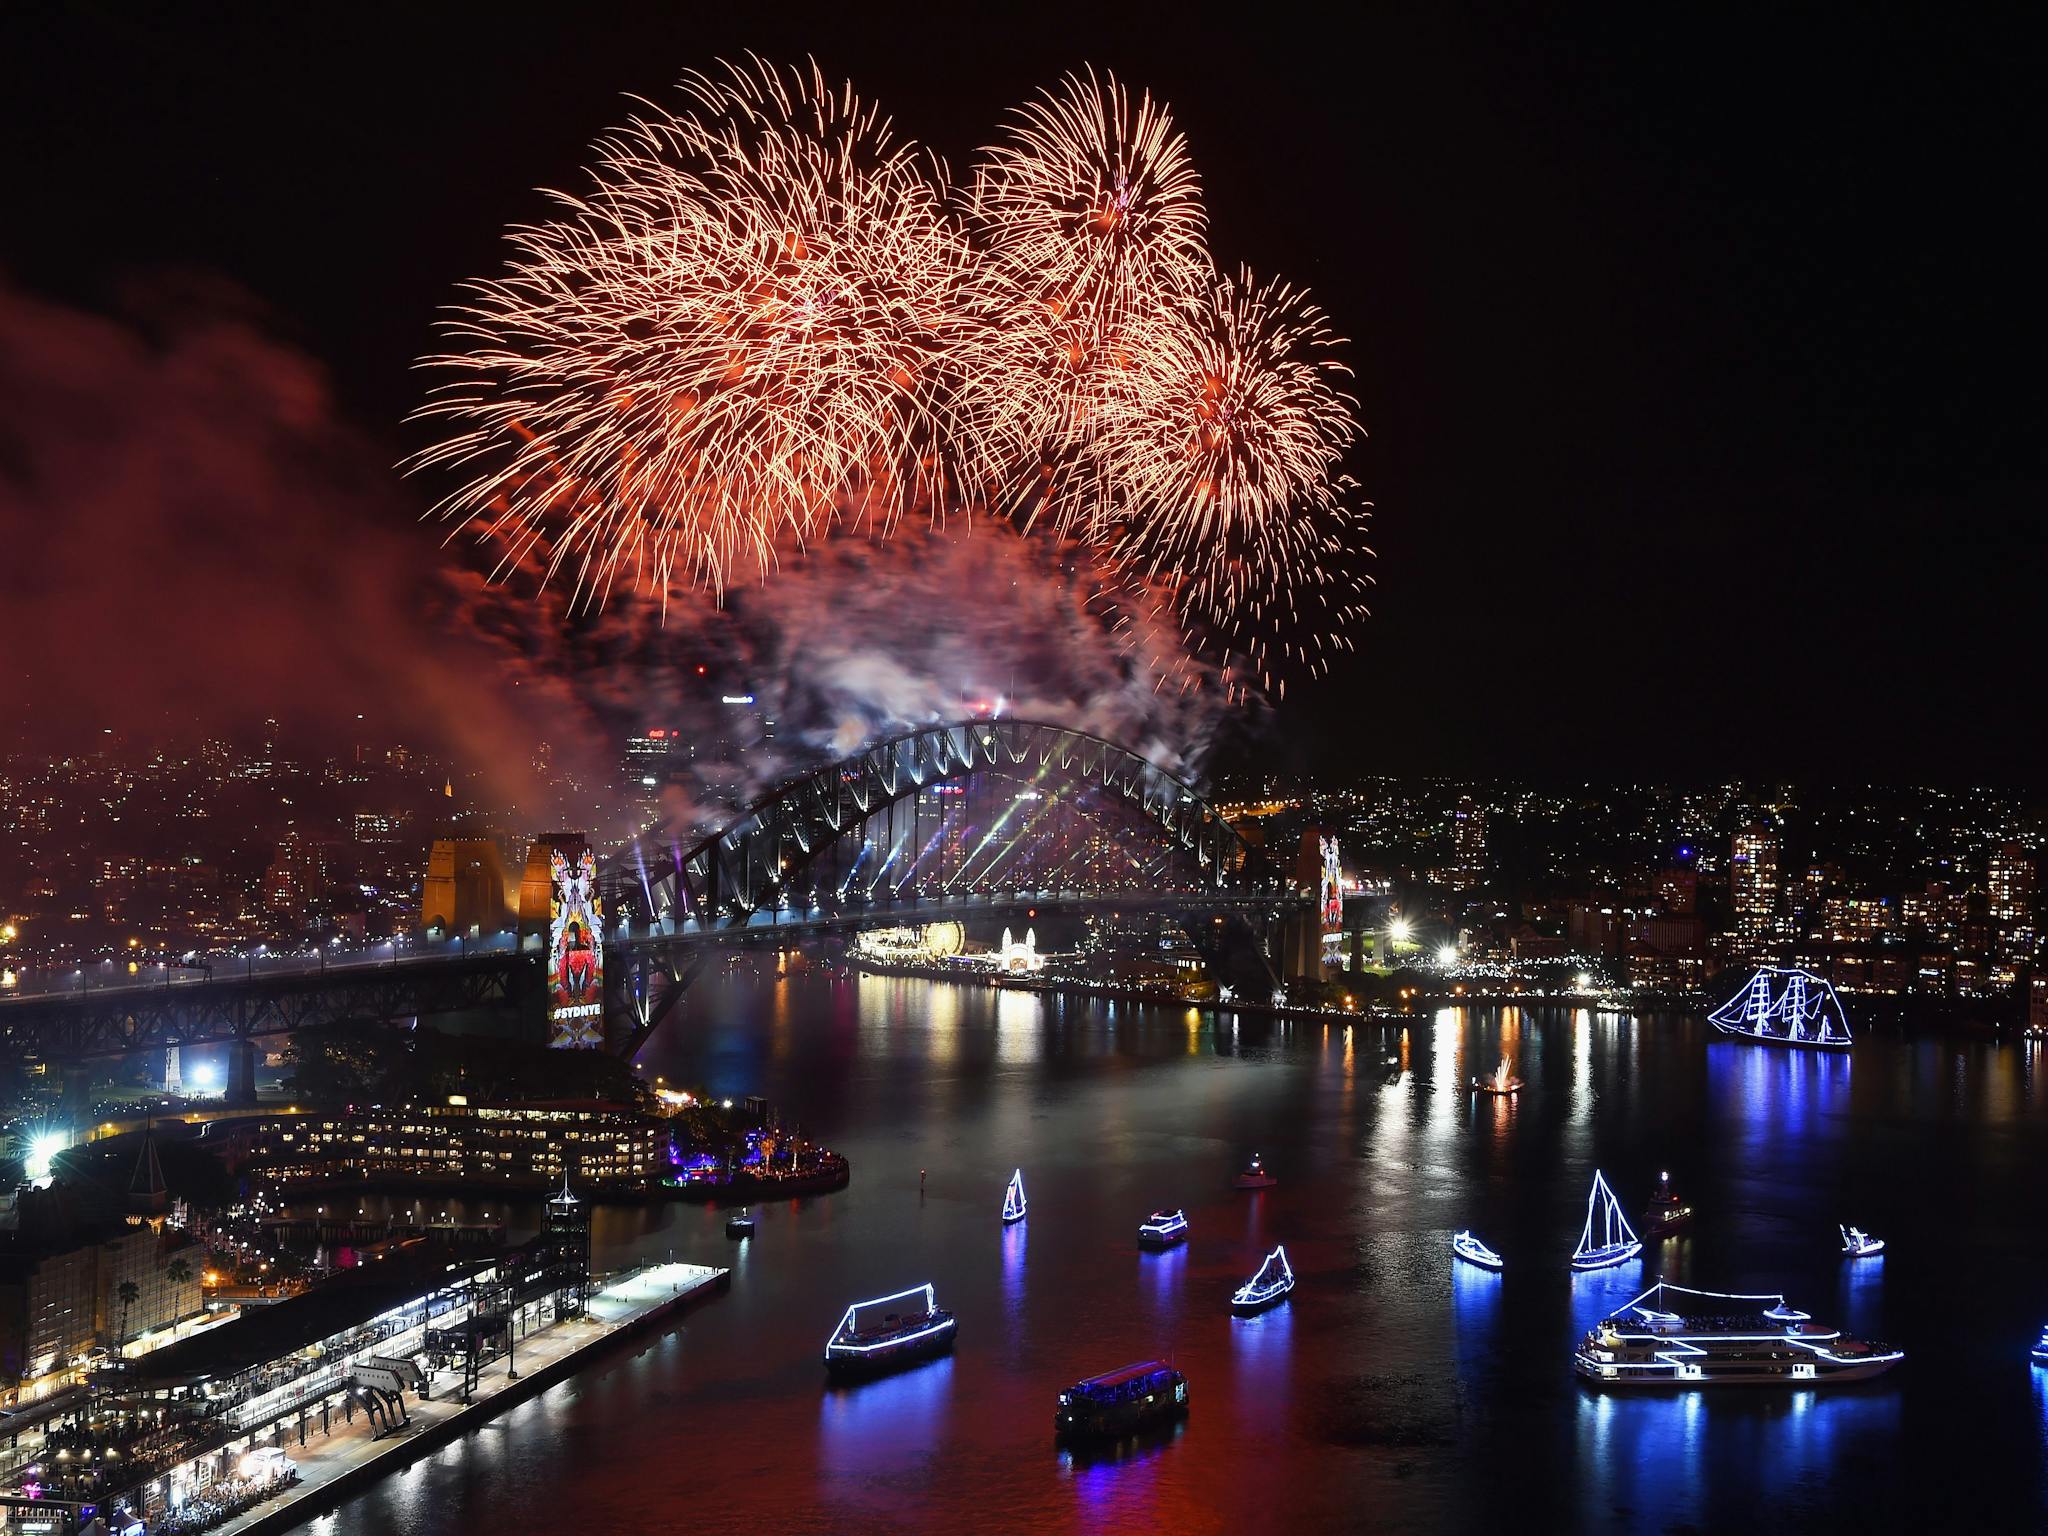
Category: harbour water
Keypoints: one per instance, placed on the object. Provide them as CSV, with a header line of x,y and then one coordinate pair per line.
x,y
1396,1390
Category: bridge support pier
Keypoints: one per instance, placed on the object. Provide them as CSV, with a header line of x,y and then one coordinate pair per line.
x,y
241,1074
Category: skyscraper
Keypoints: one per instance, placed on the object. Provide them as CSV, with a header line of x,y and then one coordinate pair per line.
x,y
1753,883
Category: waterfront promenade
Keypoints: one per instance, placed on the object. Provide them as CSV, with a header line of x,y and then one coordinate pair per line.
x,y
344,1462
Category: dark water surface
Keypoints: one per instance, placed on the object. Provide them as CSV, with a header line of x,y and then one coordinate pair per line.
x,y
1397,1391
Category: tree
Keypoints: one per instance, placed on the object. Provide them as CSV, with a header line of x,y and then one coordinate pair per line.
x,y
130,1293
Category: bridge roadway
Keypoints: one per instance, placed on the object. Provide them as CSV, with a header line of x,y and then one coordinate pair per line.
x,y
75,1017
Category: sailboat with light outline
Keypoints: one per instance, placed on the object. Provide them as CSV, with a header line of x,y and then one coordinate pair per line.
x,y
1014,1204
1608,1238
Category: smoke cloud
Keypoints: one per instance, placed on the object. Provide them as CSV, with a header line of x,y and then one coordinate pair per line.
x,y
196,537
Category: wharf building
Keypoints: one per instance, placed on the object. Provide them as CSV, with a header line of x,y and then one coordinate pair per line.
x,y
606,1147
217,1415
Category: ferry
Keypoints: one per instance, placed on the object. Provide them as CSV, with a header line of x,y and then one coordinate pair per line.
x,y
1672,1336
1665,1212
1473,1251
739,1224
1163,1229
1255,1175
1268,1288
1859,1244
2041,1349
1782,1005
896,1338
1014,1204
1121,1402
1608,1238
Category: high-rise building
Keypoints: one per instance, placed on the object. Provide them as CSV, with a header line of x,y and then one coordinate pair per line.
x,y
2009,900
1753,883
1468,842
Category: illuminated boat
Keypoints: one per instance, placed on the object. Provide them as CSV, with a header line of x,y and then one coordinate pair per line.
x,y
1255,1175
2041,1349
1665,1212
1672,1336
1859,1244
1121,1402
1014,1204
1162,1229
894,1339
1268,1288
1473,1251
1500,1085
1782,1005
739,1224
1608,1238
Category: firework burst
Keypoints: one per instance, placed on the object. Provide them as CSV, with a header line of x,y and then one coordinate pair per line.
x,y
766,318
1220,471
749,328
1089,216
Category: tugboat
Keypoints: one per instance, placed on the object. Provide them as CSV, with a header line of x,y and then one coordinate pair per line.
x,y
2041,1349
739,1224
1672,1336
1803,1012
1163,1229
1014,1205
1500,1085
1268,1288
896,1339
1121,1402
1608,1239
1255,1175
1473,1251
1666,1212
1859,1244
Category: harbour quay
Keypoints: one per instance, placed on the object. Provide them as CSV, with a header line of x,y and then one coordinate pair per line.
x,y
259,1424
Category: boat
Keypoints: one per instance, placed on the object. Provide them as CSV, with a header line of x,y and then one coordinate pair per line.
x,y
895,1339
1665,1212
1608,1238
1473,1251
2041,1348
1121,1402
1014,1204
1782,1005
1255,1175
1268,1288
1162,1229
1500,1085
739,1224
1673,1336
1859,1244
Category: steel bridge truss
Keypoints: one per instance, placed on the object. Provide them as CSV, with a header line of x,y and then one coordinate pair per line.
x,y
756,866
115,1021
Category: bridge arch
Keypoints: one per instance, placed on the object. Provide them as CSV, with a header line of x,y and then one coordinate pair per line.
x,y
659,886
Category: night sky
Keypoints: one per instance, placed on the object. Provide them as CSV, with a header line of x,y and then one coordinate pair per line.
x,y
1699,351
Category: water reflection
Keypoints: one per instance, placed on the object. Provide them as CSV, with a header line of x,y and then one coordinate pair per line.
x,y
1475,1313
886,1428
1394,1371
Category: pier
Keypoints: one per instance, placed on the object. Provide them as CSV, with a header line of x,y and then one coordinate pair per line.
x,y
343,1462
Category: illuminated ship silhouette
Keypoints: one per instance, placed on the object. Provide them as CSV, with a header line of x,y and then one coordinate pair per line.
x,y
1013,1199
1785,1006
1608,1238
1268,1288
